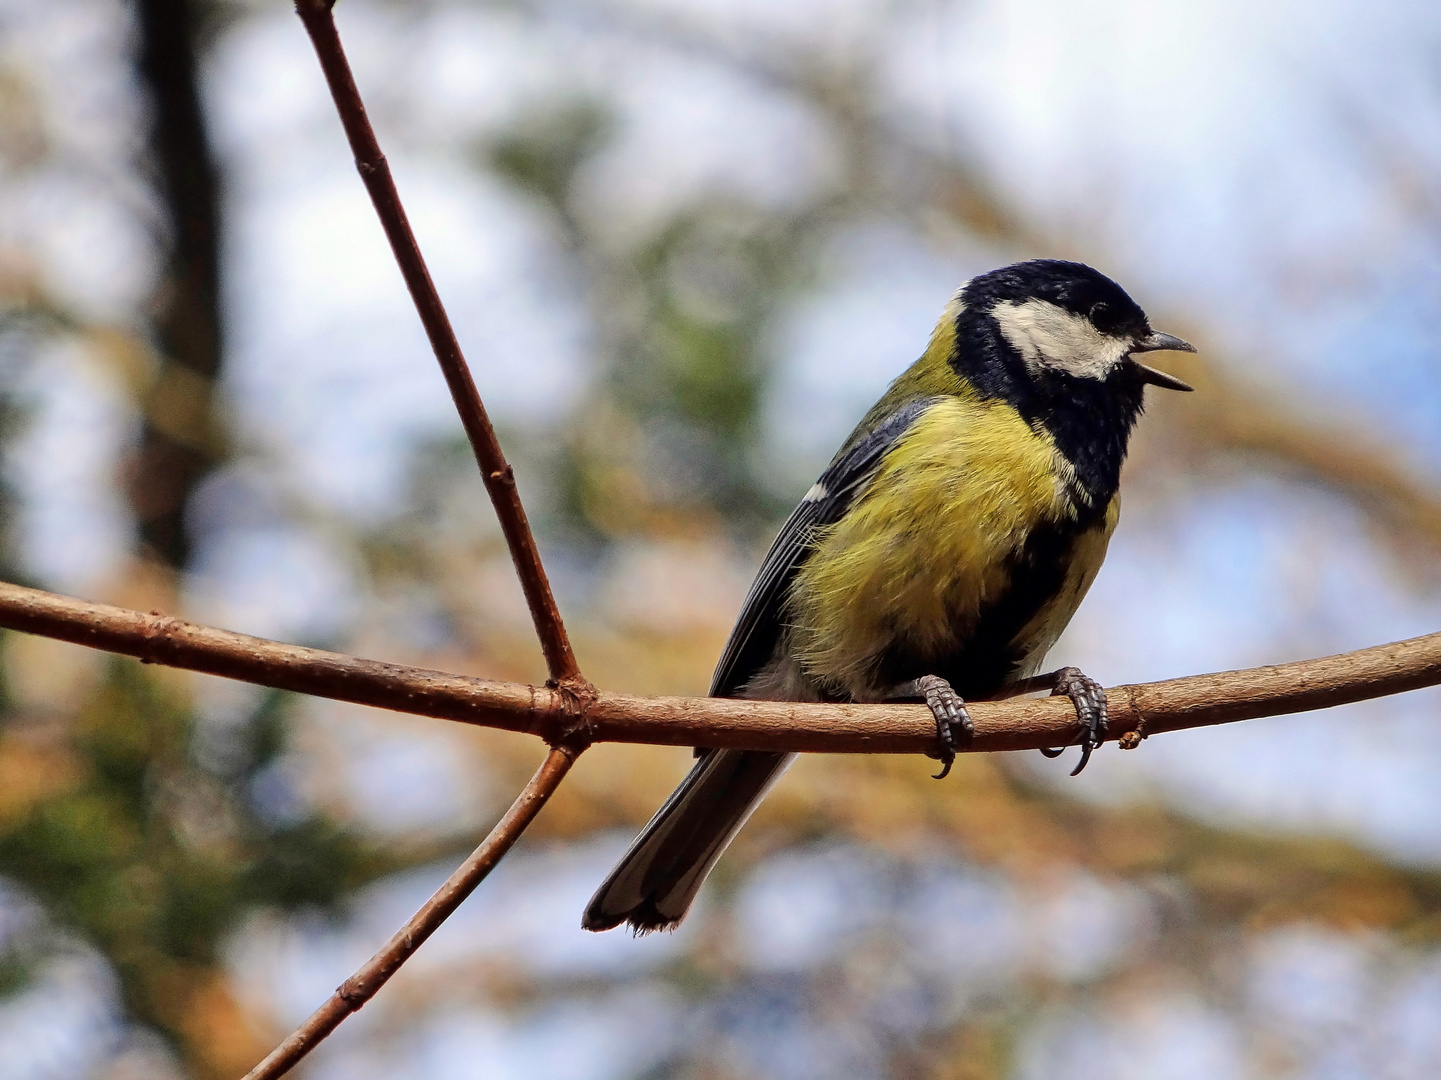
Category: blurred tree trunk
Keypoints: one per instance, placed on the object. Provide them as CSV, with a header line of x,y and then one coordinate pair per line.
x,y
182,440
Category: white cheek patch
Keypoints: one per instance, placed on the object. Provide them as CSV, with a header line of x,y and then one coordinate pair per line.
x,y
1050,337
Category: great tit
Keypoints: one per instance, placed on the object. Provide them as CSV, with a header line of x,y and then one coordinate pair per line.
x,y
938,557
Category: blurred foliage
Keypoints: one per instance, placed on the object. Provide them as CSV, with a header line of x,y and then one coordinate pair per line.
x,y
148,842
141,830
665,442
152,832
543,152
1199,899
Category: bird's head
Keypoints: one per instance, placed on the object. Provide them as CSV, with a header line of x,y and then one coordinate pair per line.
x,y
1063,325
1059,343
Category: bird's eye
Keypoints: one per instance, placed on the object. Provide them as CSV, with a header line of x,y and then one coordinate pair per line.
x,y
1100,313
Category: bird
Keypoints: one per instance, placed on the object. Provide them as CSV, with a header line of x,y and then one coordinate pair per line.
x,y
938,557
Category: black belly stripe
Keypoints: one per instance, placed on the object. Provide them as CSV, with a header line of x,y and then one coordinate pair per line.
x,y
990,655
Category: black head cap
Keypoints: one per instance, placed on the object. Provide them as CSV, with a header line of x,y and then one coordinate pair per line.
x,y
1057,341
1073,286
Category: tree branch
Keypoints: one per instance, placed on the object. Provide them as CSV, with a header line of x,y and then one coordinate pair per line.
x,y
568,713
230,654
495,470
1141,710
350,995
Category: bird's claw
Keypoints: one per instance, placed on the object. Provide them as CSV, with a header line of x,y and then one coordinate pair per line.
x,y
949,709
1089,698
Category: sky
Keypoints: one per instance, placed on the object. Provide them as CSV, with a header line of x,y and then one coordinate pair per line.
x,y
1202,145
1262,170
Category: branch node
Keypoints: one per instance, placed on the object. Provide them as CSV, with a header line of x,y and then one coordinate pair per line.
x,y
505,477
353,993
571,727
157,637
1138,734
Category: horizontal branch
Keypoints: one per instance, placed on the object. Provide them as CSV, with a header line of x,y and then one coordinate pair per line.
x,y
1148,708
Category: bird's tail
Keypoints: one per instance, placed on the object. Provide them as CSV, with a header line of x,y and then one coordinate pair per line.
x,y
657,878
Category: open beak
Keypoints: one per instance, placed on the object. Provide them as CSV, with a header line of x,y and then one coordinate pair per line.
x,y
1155,342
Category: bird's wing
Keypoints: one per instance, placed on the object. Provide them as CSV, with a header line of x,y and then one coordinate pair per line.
x,y
758,629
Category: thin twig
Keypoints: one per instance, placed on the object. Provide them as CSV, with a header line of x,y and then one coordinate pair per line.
x,y
572,714
355,991
1149,708
572,688
495,470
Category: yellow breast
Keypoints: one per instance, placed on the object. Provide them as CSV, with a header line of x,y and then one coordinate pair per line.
x,y
932,543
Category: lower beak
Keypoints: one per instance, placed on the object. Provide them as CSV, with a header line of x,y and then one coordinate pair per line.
x,y
1157,342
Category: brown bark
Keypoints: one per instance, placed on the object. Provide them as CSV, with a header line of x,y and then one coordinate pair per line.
x,y
551,714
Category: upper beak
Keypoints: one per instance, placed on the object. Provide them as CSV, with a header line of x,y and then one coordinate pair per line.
x,y
1155,342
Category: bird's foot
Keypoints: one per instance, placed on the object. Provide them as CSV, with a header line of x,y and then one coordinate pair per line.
x,y
1089,698
953,722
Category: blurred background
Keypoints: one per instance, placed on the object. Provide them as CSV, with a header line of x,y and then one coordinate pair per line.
x,y
685,245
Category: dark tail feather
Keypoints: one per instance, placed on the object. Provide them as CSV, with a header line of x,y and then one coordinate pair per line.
x,y
657,878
